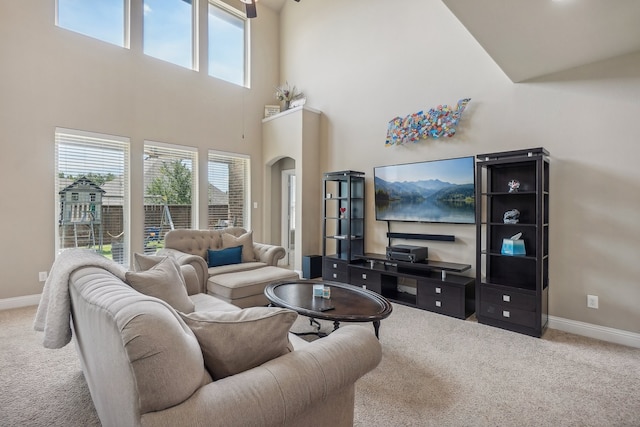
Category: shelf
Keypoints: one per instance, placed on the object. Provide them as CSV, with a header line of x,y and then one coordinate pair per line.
x,y
498,254
506,193
422,265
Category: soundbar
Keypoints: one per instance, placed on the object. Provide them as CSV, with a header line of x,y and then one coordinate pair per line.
x,y
418,236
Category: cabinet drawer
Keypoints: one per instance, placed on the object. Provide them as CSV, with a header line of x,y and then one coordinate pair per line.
x,y
335,265
450,305
440,289
335,271
508,314
507,299
359,276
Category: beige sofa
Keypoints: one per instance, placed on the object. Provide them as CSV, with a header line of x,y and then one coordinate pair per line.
x,y
240,284
144,366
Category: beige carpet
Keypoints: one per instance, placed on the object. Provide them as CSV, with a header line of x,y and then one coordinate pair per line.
x,y
436,371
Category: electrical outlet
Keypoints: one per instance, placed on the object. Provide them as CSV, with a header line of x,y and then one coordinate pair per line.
x,y
592,301
42,276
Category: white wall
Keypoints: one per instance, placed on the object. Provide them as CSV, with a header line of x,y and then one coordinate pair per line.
x,y
52,77
363,63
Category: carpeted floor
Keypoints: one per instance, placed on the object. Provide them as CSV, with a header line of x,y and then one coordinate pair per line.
x,y
436,371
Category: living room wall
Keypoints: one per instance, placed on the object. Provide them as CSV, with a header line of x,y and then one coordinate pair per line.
x,y
51,77
363,64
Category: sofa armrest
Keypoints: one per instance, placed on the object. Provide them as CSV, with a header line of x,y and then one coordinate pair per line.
x,y
269,254
196,261
282,390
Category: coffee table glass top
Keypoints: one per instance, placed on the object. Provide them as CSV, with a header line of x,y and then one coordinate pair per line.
x,y
347,303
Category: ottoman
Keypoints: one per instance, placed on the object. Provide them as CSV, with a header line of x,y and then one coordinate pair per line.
x,y
246,288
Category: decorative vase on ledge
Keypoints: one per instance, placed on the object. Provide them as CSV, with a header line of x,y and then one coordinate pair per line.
x,y
286,105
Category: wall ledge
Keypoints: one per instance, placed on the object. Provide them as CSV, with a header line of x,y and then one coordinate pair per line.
x,y
616,336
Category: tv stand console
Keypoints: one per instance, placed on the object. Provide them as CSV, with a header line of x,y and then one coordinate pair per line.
x,y
430,285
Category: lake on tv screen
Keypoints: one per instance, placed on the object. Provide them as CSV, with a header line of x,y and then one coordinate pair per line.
x,y
425,210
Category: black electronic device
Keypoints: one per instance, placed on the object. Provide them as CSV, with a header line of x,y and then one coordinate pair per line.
x,y
408,253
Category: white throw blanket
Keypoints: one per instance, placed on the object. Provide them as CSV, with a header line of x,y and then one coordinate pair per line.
x,y
54,311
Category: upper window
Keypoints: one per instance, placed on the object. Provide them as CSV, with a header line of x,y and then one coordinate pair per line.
x,y
101,19
227,43
168,30
92,199
170,191
228,190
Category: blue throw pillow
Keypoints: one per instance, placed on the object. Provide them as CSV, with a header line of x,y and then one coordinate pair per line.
x,y
224,256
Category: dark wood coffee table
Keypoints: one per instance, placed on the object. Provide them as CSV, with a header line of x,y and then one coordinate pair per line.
x,y
347,303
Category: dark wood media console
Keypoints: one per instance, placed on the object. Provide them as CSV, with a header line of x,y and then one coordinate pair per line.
x,y
438,286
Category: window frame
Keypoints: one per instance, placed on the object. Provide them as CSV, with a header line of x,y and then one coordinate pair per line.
x,y
193,157
246,68
118,142
126,24
246,223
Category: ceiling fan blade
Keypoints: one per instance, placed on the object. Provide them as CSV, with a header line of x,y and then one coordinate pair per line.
x,y
251,9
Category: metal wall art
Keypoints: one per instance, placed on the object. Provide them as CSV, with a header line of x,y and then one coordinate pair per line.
x,y
437,122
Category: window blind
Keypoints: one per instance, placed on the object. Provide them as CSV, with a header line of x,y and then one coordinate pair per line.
x,y
91,191
170,191
228,190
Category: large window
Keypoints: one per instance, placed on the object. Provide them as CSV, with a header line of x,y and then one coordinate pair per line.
x,y
101,19
227,43
92,193
170,191
228,190
169,30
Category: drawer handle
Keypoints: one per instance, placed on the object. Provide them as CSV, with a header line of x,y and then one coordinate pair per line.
x,y
364,276
335,265
335,275
438,291
506,298
505,313
438,304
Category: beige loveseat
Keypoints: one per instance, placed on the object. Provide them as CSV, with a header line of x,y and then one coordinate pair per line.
x,y
145,367
241,284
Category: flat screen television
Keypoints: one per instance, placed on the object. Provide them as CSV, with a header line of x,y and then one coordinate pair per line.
x,y
432,191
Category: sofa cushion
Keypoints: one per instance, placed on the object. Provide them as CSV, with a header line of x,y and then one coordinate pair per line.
x,y
206,302
251,282
227,256
235,341
245,240
163,281
232,268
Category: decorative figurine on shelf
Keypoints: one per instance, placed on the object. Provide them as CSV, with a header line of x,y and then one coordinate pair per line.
x,y
514,186
342,211
511,216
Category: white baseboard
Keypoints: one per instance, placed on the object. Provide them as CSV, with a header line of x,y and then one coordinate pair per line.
x,y
617,336
17,302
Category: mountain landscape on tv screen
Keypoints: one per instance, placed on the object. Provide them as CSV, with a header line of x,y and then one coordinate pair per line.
x,y
429,200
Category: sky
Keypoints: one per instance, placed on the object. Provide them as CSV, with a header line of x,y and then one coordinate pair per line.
x,y
167,31
454,171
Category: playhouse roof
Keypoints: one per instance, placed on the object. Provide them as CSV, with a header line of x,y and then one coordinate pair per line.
x,y
82,183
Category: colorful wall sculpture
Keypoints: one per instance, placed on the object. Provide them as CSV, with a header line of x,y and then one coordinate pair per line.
x,y
437,122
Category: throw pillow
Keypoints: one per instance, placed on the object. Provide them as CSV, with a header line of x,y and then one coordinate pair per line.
x,y
246,240
216,258
235,341
163,281
142,262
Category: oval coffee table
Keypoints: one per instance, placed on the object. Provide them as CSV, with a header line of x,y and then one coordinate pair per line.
x,y
348,303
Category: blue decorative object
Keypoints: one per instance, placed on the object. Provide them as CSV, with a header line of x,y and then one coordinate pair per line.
x,y
513,246
224,256
437,122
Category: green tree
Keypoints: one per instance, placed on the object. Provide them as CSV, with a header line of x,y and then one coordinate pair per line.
x,y
173,183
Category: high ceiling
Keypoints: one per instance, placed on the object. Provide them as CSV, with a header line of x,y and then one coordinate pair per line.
x,y
533,38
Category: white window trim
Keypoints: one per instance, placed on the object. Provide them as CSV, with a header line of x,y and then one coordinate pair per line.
x,y
195,205
126,203
249,197
247,37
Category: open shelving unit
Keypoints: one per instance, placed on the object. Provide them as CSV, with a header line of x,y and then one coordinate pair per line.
x,y
512,290
342,223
